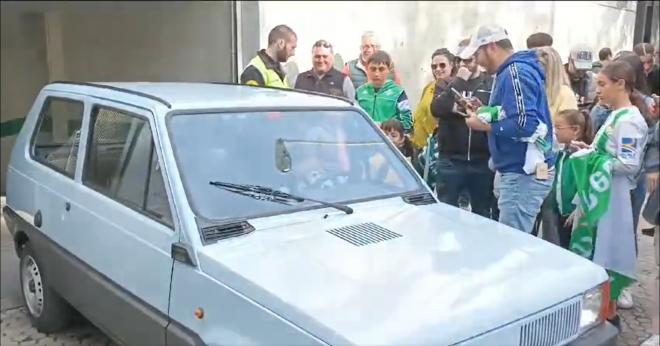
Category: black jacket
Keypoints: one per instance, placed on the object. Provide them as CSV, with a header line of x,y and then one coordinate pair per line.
x,y
653,80
456,140
332,83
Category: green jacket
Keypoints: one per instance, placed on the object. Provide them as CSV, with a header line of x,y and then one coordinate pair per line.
x,y
389,102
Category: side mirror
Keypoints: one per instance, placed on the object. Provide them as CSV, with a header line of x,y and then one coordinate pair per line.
x,y
282,156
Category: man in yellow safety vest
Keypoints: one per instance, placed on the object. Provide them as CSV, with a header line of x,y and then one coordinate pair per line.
x,y
265,68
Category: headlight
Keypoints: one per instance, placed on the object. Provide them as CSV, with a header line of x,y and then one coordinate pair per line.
x,y
593,302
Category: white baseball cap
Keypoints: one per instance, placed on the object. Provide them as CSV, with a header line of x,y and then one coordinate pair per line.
x,y
582,57
484,35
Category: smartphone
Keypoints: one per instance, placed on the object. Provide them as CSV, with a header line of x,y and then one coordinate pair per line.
x,y
457,94
462,101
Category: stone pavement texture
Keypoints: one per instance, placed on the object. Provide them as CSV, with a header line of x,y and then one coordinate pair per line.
x,y
636,322
16,330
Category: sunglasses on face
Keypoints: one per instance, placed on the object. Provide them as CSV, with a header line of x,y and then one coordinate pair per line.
x,y
441,65
466,61
322,43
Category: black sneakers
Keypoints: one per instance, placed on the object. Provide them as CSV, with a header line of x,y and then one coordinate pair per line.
x,y
616,321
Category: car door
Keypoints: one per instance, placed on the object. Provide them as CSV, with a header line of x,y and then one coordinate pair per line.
x,y
120,226
48,183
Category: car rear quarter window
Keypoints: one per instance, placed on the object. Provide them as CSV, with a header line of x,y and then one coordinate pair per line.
x,y
57,136
123,165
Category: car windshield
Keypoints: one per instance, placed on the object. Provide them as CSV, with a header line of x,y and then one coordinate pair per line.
x,y
331,156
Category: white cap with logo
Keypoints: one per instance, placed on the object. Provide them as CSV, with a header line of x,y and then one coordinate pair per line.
x,y
582,57
484,35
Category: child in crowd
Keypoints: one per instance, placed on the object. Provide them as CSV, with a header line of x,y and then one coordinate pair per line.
x,y
570,125
394,130
382,98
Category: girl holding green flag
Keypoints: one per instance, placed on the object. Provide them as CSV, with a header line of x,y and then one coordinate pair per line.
x,y
570,125
602,175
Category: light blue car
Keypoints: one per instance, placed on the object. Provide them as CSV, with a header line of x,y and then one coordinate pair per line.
x,y
199,213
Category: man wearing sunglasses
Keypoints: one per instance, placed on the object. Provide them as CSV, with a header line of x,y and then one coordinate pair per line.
x,y
323,77
356,69
463,153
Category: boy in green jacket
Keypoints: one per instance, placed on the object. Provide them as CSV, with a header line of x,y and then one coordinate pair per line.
x,y
380,97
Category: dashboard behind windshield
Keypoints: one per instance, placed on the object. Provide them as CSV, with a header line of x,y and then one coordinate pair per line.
x,y
334,156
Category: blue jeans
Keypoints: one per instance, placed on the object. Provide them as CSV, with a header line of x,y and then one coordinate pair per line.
x,y
520,199
637,197
455,176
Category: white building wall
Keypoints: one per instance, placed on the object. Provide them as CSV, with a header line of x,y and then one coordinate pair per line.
x,y
411,31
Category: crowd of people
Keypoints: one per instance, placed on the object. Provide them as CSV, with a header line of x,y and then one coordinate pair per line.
x,y
567,151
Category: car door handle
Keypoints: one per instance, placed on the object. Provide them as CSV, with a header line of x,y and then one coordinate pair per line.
x,y
37,219
67,206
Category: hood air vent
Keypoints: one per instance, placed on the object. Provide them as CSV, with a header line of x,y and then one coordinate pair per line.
x,y
364,234
215,233
419,199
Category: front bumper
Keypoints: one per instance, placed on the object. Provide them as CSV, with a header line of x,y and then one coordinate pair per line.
x,y
603,335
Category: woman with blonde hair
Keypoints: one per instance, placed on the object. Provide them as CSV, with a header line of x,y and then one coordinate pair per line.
x,y
557,86
560,98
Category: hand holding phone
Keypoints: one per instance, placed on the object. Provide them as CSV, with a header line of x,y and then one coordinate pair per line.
x,y
474,103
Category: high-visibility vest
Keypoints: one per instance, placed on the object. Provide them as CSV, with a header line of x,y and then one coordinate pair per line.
x,y
271,78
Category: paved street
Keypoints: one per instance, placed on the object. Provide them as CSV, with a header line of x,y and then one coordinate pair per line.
x,y
16,328
636,322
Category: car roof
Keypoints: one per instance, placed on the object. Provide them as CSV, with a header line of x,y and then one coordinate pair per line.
x,y
189,96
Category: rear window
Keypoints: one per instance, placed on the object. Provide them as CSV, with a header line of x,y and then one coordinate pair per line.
x,y
57,136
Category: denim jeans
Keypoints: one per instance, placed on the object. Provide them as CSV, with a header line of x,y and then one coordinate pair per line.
x,y
637,197
520,199
455,176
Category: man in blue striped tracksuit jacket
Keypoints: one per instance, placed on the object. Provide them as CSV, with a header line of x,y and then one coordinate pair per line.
x,y
518,123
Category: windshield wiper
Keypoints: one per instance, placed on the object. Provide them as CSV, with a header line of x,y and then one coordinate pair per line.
x,y
264,193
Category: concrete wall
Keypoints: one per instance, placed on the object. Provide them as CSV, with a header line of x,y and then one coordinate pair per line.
x,y
109,41
23,72
411,31
180,42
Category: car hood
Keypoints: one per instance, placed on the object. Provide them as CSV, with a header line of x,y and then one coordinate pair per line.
x,y
450,275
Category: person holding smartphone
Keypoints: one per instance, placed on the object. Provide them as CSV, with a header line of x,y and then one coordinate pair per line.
x,y
462,152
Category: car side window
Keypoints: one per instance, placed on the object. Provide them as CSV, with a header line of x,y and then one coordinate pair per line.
x,y
57,137
122,163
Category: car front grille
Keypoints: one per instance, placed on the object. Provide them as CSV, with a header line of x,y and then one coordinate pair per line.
x,y
553,328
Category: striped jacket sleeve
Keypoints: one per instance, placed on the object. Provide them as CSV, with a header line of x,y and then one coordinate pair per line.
x,y
520,93
404,113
